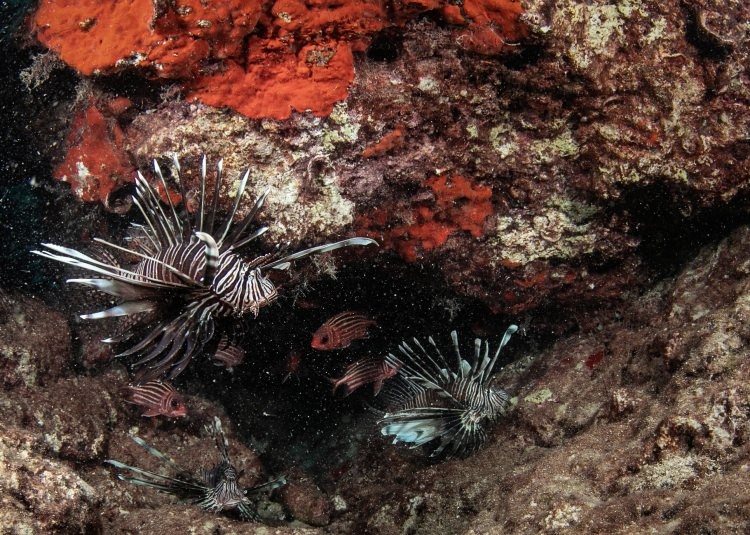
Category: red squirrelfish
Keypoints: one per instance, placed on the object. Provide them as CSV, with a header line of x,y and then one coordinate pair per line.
x,y
364,372
159,399
340,331
228,355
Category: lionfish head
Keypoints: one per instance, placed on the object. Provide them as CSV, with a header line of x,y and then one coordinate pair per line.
x,y
227,492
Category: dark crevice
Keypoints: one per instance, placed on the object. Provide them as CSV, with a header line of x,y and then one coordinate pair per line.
x,y
672,226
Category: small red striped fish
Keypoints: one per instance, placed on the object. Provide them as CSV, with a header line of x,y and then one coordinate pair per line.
x,y
340,331
364,372
228,355
159,399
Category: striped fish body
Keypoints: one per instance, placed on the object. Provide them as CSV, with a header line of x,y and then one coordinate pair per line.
x,y
340,331
237,286
448,410
190,273
228,355
225,492
363,372
159,399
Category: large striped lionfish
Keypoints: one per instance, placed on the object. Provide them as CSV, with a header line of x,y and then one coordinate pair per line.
x,y
214,489
447,410
189,272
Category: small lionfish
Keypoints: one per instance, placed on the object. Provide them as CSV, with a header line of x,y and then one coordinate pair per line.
x,y
214,489
189,275
364,372
340,331
446,410
158,398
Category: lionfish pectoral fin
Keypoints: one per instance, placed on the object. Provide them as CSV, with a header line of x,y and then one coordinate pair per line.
x,y
167,484
269,486
416,432
246,513
124,290
283,263
124,309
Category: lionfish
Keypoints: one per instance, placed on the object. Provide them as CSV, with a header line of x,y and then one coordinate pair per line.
x,y
214,489
446,410
189,274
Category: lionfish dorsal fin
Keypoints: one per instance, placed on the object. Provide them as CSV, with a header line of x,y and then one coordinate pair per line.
x,y
234,240
148,203
211,253
237,200
510,331
202,200
484,369
457,351
175,218
187,229
215,199
477,350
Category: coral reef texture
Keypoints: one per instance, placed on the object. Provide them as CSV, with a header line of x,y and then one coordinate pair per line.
x,y
579,168
636,423
530,151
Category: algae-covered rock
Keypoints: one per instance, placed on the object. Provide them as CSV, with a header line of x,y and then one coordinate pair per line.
x,y
35,346
42,495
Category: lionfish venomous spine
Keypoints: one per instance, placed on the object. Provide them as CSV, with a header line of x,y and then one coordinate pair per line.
x,y
215,489
447,410
189,272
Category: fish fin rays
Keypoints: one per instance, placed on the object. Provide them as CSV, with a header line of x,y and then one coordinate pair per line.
x,y
124,309
285,262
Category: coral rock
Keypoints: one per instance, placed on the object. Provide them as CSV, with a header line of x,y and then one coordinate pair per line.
x,y
35,343
95,163
459,204
278,80
167,42
306,502
41,495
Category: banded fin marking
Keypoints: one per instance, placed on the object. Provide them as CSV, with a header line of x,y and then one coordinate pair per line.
x,y
285,262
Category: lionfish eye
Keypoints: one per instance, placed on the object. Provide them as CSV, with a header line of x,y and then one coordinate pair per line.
x,y
324,339
174,403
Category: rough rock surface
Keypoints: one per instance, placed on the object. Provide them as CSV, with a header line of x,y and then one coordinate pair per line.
x,y
637,423
604,131
35,346
567,180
